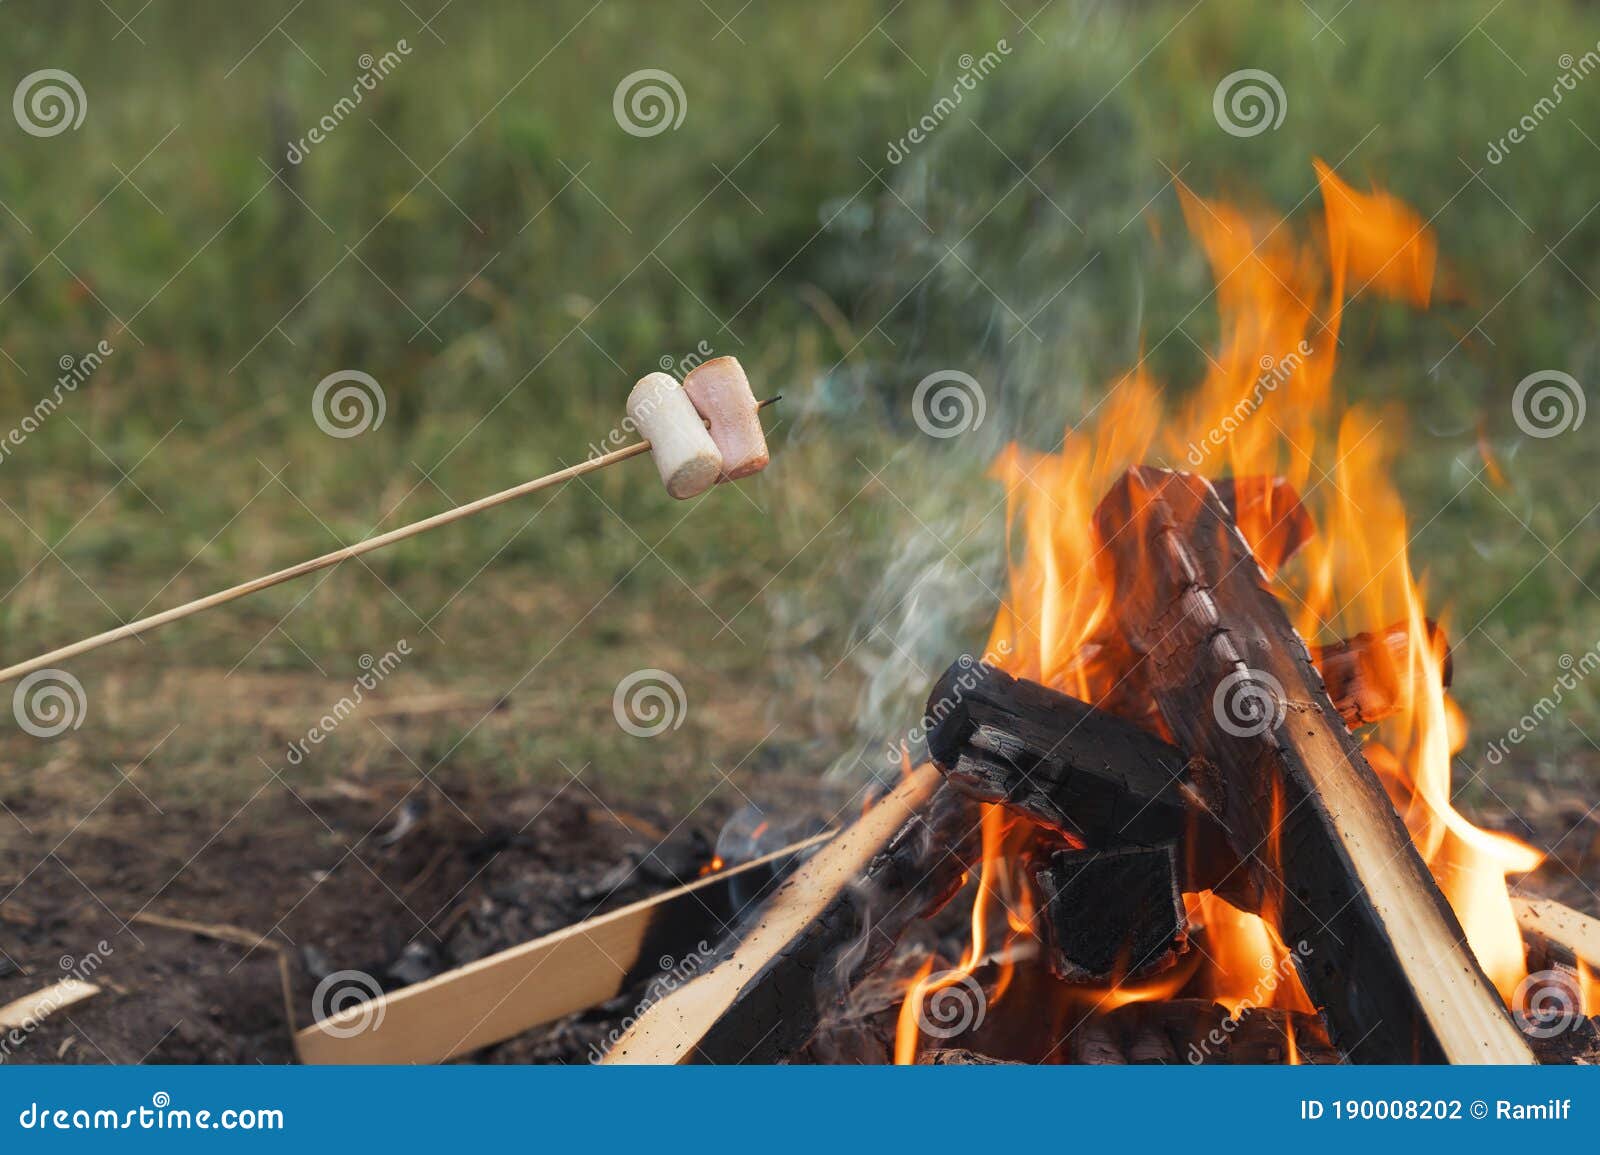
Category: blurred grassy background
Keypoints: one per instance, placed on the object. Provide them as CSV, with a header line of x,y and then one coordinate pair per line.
x,y
482,237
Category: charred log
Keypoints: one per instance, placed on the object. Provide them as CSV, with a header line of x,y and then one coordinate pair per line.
x,y
1095,778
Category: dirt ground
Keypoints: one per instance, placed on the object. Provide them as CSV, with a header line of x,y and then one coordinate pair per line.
x,y
397,882
392,882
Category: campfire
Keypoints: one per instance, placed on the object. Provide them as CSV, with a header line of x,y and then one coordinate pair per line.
x,y
1194,800
1192,803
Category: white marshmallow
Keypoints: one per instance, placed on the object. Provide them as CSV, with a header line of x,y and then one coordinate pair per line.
x,y
721,392
686,457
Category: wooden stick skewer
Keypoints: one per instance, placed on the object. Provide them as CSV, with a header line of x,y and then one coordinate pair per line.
x,y
278,577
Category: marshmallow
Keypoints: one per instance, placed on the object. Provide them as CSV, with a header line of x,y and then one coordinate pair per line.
x,y
722,394
685,455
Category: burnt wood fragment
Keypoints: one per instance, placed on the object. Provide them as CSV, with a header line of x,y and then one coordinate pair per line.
x,y
961,1057
1202,1033
1113,914
1367,675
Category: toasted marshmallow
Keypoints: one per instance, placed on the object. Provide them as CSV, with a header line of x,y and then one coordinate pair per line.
x,y
721,392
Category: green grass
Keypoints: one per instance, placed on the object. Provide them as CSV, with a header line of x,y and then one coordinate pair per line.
x,y
553,258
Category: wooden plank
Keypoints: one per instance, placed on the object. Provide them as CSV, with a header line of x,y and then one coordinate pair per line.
x,y
1386,959
1544,920
500,996
760,1003
32,1009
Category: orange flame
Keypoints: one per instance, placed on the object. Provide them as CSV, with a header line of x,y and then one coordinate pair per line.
x,y
1264,406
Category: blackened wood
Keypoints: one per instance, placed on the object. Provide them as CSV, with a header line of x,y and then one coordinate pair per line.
x,y
1387,961
1113,914
1578,1041
1065,764
1096,778
1202,1033
961,1057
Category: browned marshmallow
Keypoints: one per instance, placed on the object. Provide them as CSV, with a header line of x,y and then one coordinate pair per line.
x,y
721,392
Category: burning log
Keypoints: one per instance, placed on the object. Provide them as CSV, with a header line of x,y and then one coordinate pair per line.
x,y
1366,676
1386,960
1101,781
1113,913
1061,762
835,920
